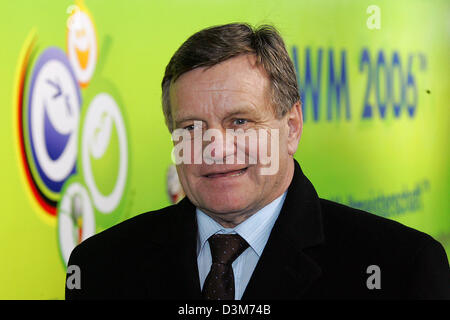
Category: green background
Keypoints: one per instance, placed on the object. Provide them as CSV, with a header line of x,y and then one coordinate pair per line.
x,y
355,158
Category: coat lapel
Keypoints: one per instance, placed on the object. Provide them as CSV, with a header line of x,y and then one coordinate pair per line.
x,y
284,270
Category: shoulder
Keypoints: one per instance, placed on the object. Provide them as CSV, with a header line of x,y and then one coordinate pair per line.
x,y
359,225
413,264
148,229
114,262
361,235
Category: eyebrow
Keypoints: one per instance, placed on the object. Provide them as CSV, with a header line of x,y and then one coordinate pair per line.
x,y
180,121
244,112
236,111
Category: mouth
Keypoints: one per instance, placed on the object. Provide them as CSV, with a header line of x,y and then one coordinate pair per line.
x,y
83,57
230,173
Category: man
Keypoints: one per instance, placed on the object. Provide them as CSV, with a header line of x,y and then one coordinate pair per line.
x,y
239,233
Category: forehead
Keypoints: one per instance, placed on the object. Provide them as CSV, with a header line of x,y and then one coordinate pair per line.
x,y
237,82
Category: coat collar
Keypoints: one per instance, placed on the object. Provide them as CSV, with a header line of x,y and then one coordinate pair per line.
x,y
284,270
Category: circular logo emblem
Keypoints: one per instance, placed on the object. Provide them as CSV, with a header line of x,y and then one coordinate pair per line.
x,y
53,114
74,153
76,220
104,152
174,188
82,45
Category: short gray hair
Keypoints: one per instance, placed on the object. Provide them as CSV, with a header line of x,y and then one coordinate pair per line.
x,y
214,45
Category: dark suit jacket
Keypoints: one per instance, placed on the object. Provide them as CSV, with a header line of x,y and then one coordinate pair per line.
x,y
318,249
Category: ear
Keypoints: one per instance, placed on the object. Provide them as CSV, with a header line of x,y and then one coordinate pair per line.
x,y
295,127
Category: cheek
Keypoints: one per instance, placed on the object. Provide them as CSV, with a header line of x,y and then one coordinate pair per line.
x,y
184,176
186,150
255,146
271,145
283,142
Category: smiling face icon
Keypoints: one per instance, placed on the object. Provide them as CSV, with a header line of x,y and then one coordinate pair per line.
x,y
82,46
83,49
53,114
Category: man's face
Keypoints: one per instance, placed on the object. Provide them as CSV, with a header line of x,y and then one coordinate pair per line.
x,y
234,94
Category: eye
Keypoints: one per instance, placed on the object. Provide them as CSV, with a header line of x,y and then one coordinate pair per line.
x,y
194,126
240,122
190,127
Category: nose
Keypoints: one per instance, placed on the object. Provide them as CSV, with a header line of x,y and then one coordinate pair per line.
x,y
217,147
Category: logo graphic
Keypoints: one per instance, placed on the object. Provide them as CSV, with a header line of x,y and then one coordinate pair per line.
x,y
174,188
76,221
104,152
82,45
74,152
52,120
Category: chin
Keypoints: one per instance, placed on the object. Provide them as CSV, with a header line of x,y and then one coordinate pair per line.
x,y
224,209
226,204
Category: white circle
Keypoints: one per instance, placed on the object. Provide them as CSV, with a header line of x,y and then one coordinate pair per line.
x,y
101,104
56,94
65,219
81,40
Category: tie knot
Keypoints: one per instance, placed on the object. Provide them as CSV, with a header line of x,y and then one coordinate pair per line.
x,y
225,248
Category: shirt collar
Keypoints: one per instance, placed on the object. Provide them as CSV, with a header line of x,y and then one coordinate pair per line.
x,y
255,230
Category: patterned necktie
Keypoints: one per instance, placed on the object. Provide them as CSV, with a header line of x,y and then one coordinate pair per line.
x,y
225,248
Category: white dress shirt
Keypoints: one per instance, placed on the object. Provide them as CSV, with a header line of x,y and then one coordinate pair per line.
x,y
255,230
